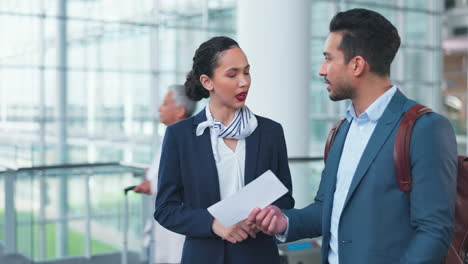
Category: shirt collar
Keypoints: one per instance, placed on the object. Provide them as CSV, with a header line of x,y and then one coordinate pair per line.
x,y
375,110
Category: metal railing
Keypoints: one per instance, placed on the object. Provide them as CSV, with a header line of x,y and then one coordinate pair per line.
x,y
82,205
55,212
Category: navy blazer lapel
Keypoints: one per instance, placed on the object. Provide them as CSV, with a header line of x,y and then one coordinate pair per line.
x,y
202,146
251,151
382,131
334,156
198,118
331,168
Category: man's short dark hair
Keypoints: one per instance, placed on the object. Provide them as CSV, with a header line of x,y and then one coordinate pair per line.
x,y
368,34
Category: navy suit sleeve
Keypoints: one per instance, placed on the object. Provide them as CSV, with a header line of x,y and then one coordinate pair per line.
x,y
283,173
171,212
307,222
434,166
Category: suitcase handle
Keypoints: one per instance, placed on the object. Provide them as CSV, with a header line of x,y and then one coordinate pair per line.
x,y
129,188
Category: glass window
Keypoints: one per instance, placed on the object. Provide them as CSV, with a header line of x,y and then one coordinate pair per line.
x,y
321,14
419,4
385,10
371,4
417,65
422,93
318,95
316,54
417,28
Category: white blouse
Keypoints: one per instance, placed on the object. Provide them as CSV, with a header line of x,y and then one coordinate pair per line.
x,y
229,164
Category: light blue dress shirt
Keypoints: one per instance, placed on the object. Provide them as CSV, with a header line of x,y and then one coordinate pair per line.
x,y
359,133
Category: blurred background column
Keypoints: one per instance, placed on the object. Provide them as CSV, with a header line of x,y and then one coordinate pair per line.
x,y
275,36
62,150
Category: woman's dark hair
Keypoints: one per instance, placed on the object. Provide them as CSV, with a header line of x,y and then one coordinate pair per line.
x,y
205,61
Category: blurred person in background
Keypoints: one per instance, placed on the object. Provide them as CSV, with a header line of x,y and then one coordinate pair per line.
x,y
176,106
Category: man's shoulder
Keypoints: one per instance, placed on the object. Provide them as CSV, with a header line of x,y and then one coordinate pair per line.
x,y
427,120
432,127
432,120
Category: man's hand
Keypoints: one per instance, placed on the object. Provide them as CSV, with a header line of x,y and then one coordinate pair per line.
x,y
235,233
144,187
269,219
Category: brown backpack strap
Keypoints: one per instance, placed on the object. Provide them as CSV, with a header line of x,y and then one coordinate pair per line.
x,y
331,138
401,151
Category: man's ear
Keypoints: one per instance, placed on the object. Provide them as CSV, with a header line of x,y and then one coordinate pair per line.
x,y
206,82
359,65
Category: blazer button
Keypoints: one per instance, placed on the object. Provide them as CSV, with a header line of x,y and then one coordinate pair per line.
x,y
346,241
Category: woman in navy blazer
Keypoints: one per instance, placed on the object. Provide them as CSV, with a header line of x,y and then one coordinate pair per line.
x,y
212,155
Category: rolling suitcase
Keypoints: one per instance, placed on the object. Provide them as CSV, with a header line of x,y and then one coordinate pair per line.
x,y
148,254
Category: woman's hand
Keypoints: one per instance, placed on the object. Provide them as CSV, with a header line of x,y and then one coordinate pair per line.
x,y
249,227
235,233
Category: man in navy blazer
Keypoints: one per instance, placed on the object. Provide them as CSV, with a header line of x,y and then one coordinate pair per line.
x,y
359,209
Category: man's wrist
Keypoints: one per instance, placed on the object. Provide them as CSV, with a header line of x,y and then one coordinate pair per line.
x,y
284,236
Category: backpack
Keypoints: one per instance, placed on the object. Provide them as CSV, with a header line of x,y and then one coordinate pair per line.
x,y
458,251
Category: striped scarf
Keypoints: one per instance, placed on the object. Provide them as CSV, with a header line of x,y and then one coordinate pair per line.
x,y
243,124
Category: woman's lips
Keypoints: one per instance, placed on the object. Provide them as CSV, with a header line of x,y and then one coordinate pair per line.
x,y
241,96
